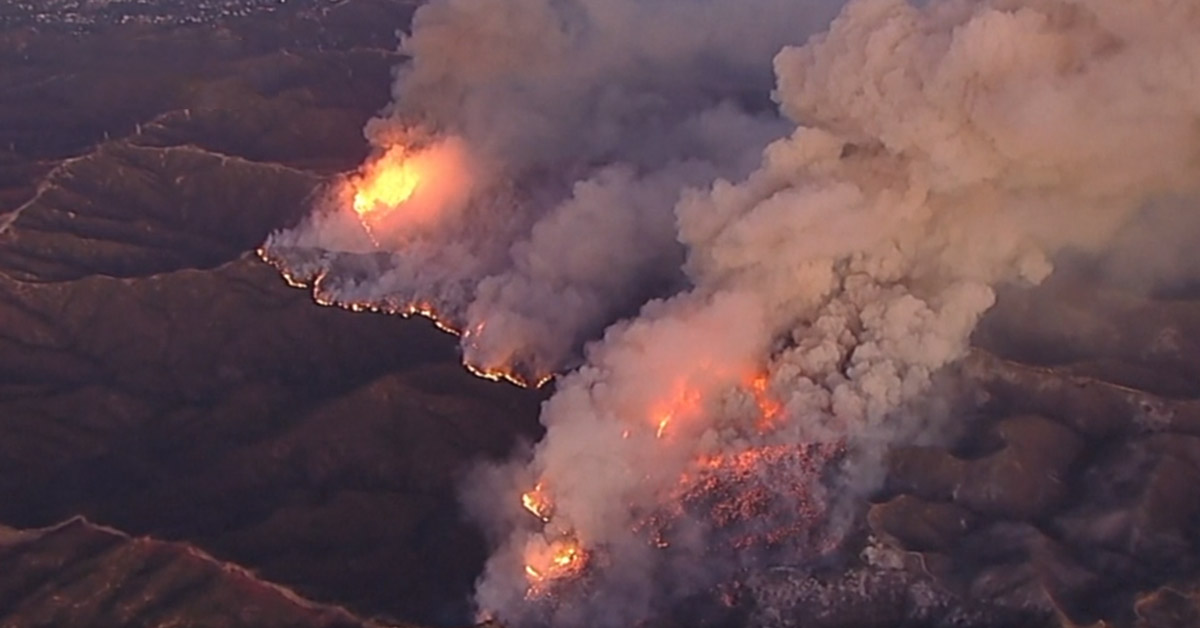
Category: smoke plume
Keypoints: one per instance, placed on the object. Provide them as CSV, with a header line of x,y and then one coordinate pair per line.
x,y
762,261
583,120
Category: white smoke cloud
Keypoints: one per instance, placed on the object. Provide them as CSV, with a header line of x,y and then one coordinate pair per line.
x,y
840,252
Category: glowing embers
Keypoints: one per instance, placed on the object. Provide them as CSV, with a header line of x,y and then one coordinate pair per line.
x,y
551,561
413,196
764,503
550,557
766,496
506,375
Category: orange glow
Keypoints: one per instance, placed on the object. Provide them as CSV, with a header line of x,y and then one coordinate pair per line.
x,y
537,502
411,186
504,375
549,562
387,183
769,408
743,461
686,401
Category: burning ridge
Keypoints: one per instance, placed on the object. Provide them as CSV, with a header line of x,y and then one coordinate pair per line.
x,y
749,301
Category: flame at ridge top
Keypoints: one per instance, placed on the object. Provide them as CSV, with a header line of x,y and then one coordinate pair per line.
x,y
418,183
387,183
412,185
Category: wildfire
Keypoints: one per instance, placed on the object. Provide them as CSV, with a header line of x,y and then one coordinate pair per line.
x,y
733,488
769,408
759,498
549,562
387,183
685,401
507,375
537,502
410,186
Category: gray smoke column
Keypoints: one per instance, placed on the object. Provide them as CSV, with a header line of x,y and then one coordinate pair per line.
x,y
582,122
756,279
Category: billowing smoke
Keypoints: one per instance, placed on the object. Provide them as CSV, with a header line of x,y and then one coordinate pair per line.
x,y
583,120
767,287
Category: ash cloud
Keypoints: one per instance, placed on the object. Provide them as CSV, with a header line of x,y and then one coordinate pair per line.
x,y
630,186
584,121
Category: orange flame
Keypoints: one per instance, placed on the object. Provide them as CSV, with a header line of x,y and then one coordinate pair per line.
x,y
427,182
685,401
537,502
769,408
547,563
410,185
387,183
